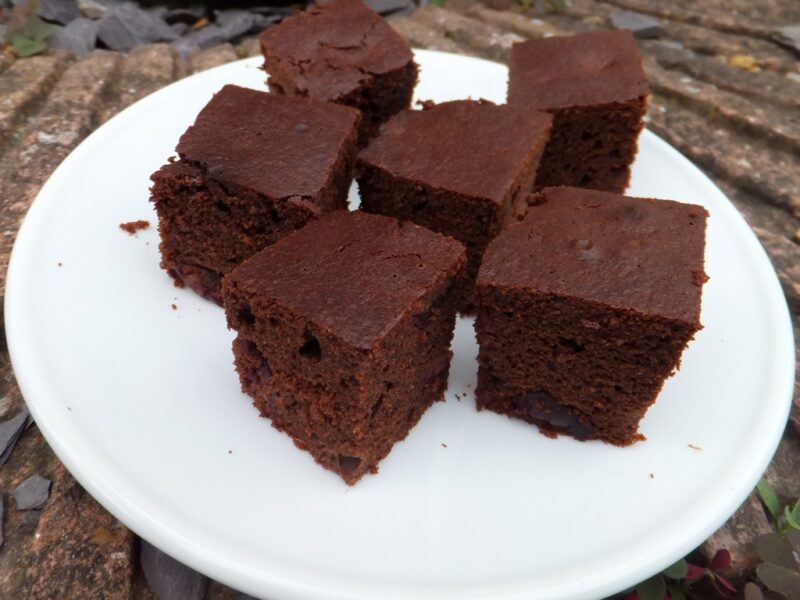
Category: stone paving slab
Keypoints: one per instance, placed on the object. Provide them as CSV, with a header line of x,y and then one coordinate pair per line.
x,y
740,126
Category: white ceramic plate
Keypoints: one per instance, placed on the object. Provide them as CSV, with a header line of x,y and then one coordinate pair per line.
x,y
142,404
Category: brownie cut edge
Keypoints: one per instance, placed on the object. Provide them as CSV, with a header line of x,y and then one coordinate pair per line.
x,y
345,52
253,167
343,333
595,87
584,309
463,168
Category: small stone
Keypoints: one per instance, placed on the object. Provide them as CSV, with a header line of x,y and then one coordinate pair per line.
x,y
169,579
186,14
180,28
788,36
9,434
236,22
127,26
210,35
797,236
387,7
79,37
642,26
57,11
794,76
92,9
32,493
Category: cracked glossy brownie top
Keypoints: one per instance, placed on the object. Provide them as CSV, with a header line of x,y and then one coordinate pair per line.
x,y
330,50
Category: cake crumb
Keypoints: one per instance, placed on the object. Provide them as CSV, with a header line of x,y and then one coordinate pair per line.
x,y
652,476
230,451
444,445
60,264
693,447
131,227
174,306
458,397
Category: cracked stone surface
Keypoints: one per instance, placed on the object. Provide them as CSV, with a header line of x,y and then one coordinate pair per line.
x,y
740,125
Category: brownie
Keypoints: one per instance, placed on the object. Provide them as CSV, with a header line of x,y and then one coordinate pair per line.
x,y
596,89
344,332
344,52
584,308
252,168
462,168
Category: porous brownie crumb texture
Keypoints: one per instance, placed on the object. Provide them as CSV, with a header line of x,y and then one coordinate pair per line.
x,y
582,369
592,147
344,393
342,52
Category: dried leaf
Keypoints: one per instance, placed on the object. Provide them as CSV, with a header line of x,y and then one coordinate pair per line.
x,y
778,579
769,498
721,560
652,589
678,570
774,549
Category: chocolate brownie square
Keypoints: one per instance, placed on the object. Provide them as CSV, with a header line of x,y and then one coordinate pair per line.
x,y
596,89
462,168
584,309
252,168
342,51
344,332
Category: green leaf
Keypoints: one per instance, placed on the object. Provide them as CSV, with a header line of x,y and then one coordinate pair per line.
x,y
675,592
557,5
652,589
773,548
791,520
31,38
778,579
770,499
438,2
678,570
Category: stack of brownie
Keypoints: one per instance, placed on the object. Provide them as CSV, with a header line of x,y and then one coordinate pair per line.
x,y
584,299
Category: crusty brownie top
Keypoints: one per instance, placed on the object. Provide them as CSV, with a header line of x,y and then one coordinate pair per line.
x,y
353,273
639,254
475,148
599,67
332,49
279,146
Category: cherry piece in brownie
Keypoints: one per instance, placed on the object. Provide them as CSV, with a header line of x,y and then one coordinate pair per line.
x,y
344,332
252,168
596,89
342,51
584,309
462,168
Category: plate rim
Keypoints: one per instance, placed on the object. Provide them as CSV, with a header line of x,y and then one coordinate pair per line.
x,y
239,576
